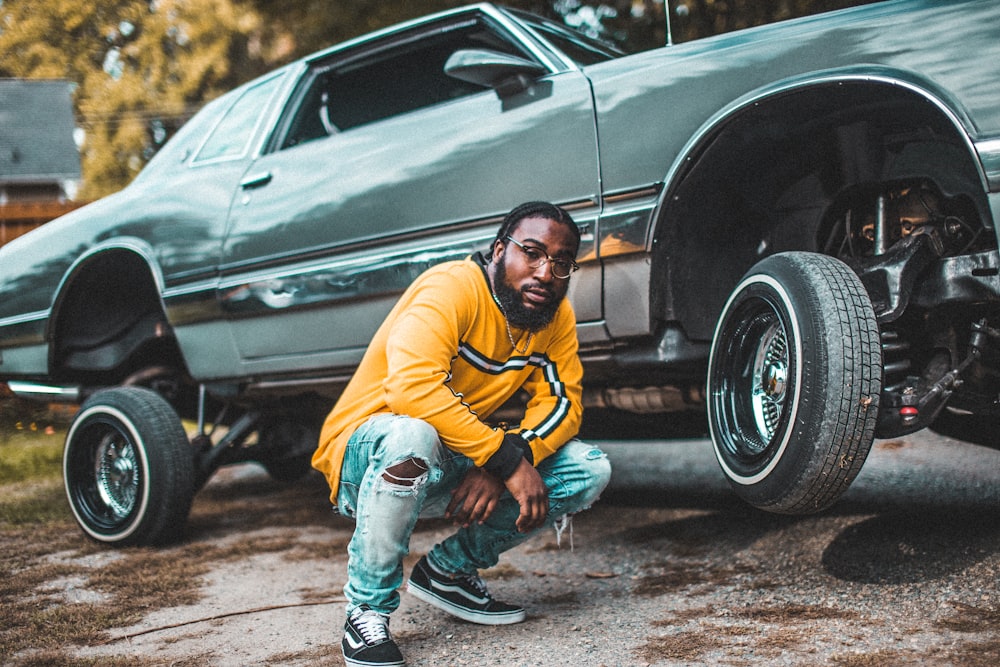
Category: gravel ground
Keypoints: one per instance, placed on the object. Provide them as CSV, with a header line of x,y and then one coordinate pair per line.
x,y
668,569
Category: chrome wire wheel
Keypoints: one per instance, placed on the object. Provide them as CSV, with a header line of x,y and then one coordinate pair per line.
x,y
105,473
753,384
117,474
794,381
128,468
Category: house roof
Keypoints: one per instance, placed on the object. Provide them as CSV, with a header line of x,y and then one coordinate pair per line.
x,y
36,132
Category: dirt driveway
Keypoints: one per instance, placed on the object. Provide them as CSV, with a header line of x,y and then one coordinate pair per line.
x,y
668,569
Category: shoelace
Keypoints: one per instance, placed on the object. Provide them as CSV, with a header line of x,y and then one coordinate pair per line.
x,y
373,626
477,582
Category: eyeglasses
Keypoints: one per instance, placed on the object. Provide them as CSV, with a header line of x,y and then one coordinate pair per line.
x,y
561,268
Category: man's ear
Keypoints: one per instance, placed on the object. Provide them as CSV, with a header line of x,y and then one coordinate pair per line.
x,y
497,250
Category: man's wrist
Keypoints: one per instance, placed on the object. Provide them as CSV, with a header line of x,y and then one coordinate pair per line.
x,y
508,457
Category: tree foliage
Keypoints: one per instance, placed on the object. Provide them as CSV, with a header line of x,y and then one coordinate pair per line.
x,y
142,67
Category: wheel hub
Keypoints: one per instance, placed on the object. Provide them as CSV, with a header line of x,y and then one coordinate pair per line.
x,y
770,380
116,476
774,380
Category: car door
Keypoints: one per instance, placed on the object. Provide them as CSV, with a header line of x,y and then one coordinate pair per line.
x,y
382,166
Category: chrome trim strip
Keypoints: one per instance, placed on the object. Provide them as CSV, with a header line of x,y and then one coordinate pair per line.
x,y
482,9
24,330
192,303
372,268
340,279
25,318
627,221
453,229
989,156
187,289
322,253
515,28
270,386
44,392
632,194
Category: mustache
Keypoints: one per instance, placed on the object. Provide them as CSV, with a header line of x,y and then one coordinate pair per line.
x,y
548,291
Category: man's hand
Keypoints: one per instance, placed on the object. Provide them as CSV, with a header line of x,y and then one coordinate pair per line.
x,y
475,498
530,493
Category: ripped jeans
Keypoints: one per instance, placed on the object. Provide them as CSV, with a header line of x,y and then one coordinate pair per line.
x,y
386,512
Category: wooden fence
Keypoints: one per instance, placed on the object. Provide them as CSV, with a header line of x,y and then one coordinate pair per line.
x,y
18,218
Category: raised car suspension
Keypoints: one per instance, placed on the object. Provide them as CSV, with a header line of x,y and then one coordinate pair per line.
x,y
896,363
904,410
210,456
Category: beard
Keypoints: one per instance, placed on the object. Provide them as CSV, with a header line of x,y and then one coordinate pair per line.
x,y
518,315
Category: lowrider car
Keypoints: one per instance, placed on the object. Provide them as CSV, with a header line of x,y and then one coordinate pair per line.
x,y
791,227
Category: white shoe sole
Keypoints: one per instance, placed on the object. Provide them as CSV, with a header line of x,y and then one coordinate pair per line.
x,y
481,618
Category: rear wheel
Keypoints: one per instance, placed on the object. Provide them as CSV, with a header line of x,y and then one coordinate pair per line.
x,y
128,468
794,381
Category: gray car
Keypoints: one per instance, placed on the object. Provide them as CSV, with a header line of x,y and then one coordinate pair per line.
x,y
790,227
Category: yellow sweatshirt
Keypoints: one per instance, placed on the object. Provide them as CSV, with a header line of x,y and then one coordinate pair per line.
x,y
443,355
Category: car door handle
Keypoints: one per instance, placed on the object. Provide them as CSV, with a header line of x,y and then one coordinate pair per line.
x,y
256,181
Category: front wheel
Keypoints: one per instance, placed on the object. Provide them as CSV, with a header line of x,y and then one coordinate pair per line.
x,y
128,468
794,380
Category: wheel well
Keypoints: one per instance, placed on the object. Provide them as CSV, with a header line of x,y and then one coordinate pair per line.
x,y
109,322
763,181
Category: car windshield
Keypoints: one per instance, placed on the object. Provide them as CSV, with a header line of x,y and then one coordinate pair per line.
x,y
580,48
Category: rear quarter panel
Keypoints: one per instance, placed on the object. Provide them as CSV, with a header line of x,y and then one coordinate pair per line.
x,y
650,106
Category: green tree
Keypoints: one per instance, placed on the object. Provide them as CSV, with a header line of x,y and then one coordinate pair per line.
x,y
141,68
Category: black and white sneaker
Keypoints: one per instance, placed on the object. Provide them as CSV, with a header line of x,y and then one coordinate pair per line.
x,y
465,596
367,642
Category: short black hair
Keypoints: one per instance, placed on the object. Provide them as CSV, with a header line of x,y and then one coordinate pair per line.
x,y
535,209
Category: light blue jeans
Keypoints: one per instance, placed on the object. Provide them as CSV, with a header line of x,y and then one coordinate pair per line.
x,y
386,512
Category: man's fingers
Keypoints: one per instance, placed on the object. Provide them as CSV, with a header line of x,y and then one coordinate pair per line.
x,y
533,513
485,509
457,500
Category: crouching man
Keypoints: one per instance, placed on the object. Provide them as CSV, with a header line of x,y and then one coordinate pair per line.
x,y
408,437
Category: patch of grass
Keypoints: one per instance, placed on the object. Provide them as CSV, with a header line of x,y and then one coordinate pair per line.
x,y
682,616
55,658
689,646
881,658
134,583
969,618
31,475
320,656
971,654
978,654
46,563
61,590
32,503
761,632
31,455
793,613
681,576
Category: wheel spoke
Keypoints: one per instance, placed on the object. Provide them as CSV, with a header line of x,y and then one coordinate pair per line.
x,y
770,379
117,475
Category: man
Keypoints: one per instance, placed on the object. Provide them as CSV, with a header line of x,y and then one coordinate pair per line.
x,y
408,435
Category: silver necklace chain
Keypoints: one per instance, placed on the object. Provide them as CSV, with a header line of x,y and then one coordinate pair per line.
x,y
510,337
510,334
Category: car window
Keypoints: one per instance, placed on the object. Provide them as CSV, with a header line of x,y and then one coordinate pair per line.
x,y
231,136
390,79
580,48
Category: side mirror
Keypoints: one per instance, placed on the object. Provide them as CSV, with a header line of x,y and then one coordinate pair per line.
x,y
508,75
